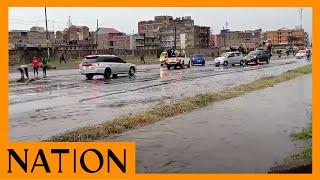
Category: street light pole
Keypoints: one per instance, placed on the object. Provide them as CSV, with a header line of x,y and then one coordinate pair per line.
x,y
48,51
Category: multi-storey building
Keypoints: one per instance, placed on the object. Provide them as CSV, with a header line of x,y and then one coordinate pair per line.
x,y
110,38
136,41
286,37
73,33
36,37
249,38
180,33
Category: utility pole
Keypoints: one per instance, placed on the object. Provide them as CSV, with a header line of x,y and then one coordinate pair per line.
x,y
300,14
69,25
175,38
47,34
97,36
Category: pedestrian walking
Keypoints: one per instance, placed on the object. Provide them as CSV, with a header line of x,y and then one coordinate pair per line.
x,y
142,60
279,53
23,69
44,66
308,54
36,65
63,58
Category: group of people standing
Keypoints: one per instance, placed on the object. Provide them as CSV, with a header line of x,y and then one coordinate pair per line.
x,y
36,64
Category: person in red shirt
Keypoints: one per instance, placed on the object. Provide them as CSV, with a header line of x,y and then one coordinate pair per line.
x,y
35,65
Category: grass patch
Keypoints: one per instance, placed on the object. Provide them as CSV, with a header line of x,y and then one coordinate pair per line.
x,y
129,122
304,134
304,155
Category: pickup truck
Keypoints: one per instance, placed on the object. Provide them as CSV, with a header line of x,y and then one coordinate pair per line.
x,y
178,60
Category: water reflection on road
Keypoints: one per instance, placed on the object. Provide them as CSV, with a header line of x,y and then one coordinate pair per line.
x,y
65,100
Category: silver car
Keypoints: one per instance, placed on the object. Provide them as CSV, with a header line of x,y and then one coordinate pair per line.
x,y
105,65
229,58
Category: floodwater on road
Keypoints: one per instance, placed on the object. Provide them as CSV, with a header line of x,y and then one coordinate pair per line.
x,y
247,134
66,100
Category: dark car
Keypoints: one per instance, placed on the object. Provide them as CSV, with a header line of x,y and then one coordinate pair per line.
x,y
198,59
257,56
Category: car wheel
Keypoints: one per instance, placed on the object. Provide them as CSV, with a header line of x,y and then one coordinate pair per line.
x,y
232,64
182,65
161,64
217,65
107,73
168,66
131,71
189,64
89,76
203,64
246,63
225,63
241,63
192,64
268,61
114,75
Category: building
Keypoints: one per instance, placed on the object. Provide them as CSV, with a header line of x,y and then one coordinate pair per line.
x,y
110,38
248,38
121,42
151,28
166,32
136,41
213,40
35,37
38,29
201,37
287,37
73,33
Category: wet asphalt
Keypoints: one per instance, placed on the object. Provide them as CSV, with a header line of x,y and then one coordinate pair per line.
x,y
247,134
66,100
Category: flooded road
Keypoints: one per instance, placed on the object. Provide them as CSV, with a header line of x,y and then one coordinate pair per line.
x,y
247,134
65,100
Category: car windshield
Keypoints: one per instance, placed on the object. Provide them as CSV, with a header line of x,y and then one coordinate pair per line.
x,y
89,60
254,53
163,54
198,56
225,55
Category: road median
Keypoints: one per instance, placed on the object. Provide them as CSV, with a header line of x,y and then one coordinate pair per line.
x,y
129,122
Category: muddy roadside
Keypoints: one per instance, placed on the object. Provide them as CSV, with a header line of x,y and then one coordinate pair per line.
x,y
247,134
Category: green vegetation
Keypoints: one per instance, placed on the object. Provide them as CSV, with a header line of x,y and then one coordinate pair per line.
x,y
304,134
306,153
125,123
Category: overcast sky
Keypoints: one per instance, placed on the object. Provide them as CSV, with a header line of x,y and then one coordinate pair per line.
x,y
126,19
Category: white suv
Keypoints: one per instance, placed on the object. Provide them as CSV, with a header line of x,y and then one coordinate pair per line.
x,y
105,65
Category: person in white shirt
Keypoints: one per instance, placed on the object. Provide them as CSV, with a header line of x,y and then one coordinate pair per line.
x,y
23,70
